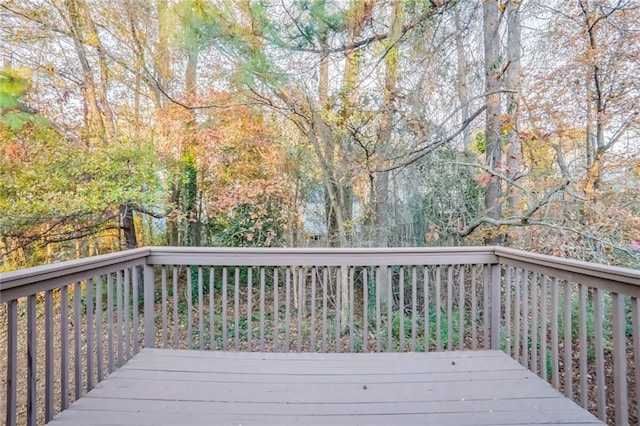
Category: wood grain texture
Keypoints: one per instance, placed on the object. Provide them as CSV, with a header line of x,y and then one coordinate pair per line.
x,y
162,387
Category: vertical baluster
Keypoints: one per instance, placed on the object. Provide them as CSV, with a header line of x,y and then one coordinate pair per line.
x,y
401,306
64,348
425,293
236,309
224,308
450,308
414,307
601,395
582,319
201,307
49,409
32,369
534,325
301,304
635,313
555,356
474,307
365,310
110,350
262,295
461,307
120,319
163,283
438,311
620,361
312,336
517,315
525,318
351,299
189,308
339,308
212,309
77,325
287,310
324,309
89,356
507,309
486,318
568,347
135,305
176,325
249,307
99,331
378,310
276,310
12,358
127,328
389,309
543,328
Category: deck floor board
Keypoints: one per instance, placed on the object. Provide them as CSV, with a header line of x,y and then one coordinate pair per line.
x,y
171,387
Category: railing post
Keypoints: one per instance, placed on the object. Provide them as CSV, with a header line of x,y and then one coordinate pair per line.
x,y
149,314
495,313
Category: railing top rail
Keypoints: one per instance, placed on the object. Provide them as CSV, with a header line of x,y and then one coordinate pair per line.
x,y
593,274
320,256
39,278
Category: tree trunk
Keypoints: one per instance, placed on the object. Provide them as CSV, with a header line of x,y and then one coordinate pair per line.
x,y
461,84
512,82
493,127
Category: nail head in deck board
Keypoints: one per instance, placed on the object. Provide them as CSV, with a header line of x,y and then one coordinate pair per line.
x,y
164,386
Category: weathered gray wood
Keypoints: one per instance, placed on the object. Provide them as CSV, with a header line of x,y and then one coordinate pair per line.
x,y
119,318
325,290
190,387
249,308
212,310
276,309
619,361
414,307
49,408
568,347
236,309
495,273
351,308
90,331
301,306
64,349
450,308
12,361
508,302
555,356
378,278
135,306
224,309
461,306
544,312
401,307
486,306
534,323
312,334
77,324
365,310
262,313
200,308
389,304
165,327
474,307
149,313
100,330
525,318
127,314
425,292
438,310
338,311
582,320
176,335
189,292
287,310
32,369
601,398
635,312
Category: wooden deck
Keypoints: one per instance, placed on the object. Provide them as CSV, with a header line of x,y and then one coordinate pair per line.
x,y
172,387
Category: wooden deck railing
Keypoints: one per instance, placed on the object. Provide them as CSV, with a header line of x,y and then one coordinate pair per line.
x,y
69,325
